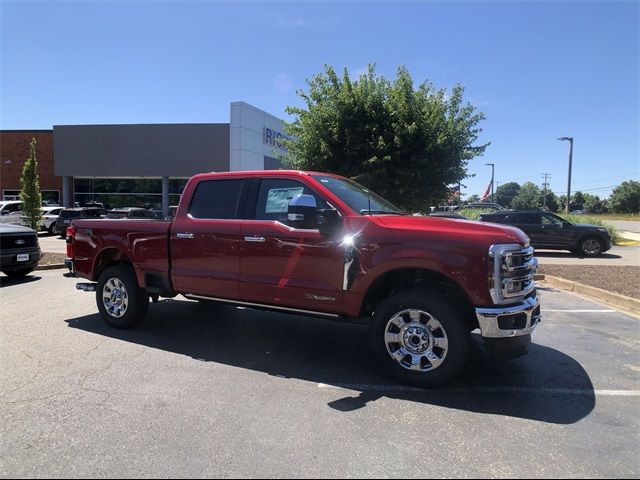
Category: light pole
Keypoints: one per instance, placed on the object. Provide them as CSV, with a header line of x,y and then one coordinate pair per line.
x,y
570,140
492,171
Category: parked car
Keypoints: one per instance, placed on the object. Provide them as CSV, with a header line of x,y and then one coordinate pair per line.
x,y
50,218
69,214
484,205
549,231
157,213
49,203
130,212
10,211
19,250
448,215
322,245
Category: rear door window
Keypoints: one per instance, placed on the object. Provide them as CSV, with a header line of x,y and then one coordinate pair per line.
x,y
527,218
217,199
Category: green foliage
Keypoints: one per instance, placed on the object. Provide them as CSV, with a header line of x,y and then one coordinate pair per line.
x,y
576,219
506,192
473,213
577,201
552,202
528,198
625,198
30,190
473,198
593,204
408,144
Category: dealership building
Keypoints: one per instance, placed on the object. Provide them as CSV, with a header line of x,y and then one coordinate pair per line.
x,y
139,164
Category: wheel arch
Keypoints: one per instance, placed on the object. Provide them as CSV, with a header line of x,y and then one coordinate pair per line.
x,y
109,257
399,279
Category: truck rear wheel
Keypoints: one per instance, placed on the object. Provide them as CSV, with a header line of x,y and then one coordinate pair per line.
x,y
121,302
419,337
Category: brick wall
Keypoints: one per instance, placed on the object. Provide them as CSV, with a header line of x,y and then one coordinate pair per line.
x,y
14,151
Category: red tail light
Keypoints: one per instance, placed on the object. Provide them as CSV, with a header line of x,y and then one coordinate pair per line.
x,y
71,233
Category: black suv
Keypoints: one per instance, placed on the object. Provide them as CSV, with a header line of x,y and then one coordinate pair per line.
x,y
19,250
68,214
549,231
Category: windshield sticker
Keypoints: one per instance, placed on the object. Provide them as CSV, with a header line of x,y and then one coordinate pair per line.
x,y
278,199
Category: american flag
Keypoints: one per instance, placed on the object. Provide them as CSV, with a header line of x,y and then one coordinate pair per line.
x,y
487,192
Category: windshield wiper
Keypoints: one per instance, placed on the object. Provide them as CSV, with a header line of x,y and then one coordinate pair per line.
x,y
366,211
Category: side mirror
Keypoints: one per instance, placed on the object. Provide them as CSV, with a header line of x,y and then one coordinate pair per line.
x,y
303,211
329,222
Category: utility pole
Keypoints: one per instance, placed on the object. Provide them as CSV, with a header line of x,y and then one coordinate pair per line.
x,y
545,185
492,165
570,140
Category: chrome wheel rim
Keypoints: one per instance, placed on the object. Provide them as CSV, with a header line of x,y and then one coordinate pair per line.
x,y
416,340
591,247
115,297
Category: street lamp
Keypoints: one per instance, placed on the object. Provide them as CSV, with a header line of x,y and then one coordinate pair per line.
x,y
492,171
570,140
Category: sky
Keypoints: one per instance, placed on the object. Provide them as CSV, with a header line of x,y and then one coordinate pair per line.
x,y
537,70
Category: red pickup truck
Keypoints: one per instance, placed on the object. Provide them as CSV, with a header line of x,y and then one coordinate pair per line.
x,y
319,244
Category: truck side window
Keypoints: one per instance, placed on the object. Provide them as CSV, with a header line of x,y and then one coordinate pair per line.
x,y
274,197
216,199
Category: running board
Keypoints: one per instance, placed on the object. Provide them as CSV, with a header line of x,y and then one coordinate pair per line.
x,y
191,296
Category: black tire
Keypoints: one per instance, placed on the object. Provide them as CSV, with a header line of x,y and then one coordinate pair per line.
x,y
18,273
52,228
591,246
137,300
451,323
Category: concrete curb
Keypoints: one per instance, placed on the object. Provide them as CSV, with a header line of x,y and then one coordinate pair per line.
x,y
54,266
615,299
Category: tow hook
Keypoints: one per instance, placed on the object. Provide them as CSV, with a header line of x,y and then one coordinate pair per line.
x,y
86,287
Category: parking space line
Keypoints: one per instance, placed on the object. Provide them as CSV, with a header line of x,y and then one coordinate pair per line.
x,y
526,390
579,311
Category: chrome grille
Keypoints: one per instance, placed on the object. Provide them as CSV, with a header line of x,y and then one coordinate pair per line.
x,y
512,270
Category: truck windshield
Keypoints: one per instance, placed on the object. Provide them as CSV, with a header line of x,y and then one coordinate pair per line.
x,y
360,199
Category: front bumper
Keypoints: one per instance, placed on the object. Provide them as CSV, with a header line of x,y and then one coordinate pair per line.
x,y
510,321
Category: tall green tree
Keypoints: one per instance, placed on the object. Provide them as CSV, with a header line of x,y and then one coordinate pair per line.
x,y
30,190
577,201
625,198
552,201
528,198
506,192
406,143
593,204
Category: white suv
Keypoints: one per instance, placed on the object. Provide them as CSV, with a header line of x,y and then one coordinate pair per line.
x,y
10,212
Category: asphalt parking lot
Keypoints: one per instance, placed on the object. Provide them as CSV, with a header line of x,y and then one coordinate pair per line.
x,y
202,391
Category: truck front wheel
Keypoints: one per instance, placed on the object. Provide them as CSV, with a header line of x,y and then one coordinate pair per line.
x,y
420,338
121,302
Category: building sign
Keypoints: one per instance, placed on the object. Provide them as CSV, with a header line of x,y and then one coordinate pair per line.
x,y
275,138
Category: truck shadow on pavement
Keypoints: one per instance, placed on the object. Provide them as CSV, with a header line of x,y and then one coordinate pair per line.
x,y
10,281
545,385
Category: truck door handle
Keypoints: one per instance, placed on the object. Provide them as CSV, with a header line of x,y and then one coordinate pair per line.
x,y
255,239
184,235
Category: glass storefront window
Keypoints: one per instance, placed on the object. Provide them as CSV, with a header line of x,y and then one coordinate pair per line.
x,y
127,192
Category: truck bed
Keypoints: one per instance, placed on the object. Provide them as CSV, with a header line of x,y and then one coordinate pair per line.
x,y
144,243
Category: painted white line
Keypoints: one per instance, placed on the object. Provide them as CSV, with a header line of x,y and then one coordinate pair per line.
x,y
579,311
529,390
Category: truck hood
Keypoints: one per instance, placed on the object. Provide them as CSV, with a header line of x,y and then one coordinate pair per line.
x,y
476,232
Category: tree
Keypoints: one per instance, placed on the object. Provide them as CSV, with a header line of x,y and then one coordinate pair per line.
x,y
552,201
473,198
506,192
625,198
30,190
577,201
528,198
593,204
405,143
